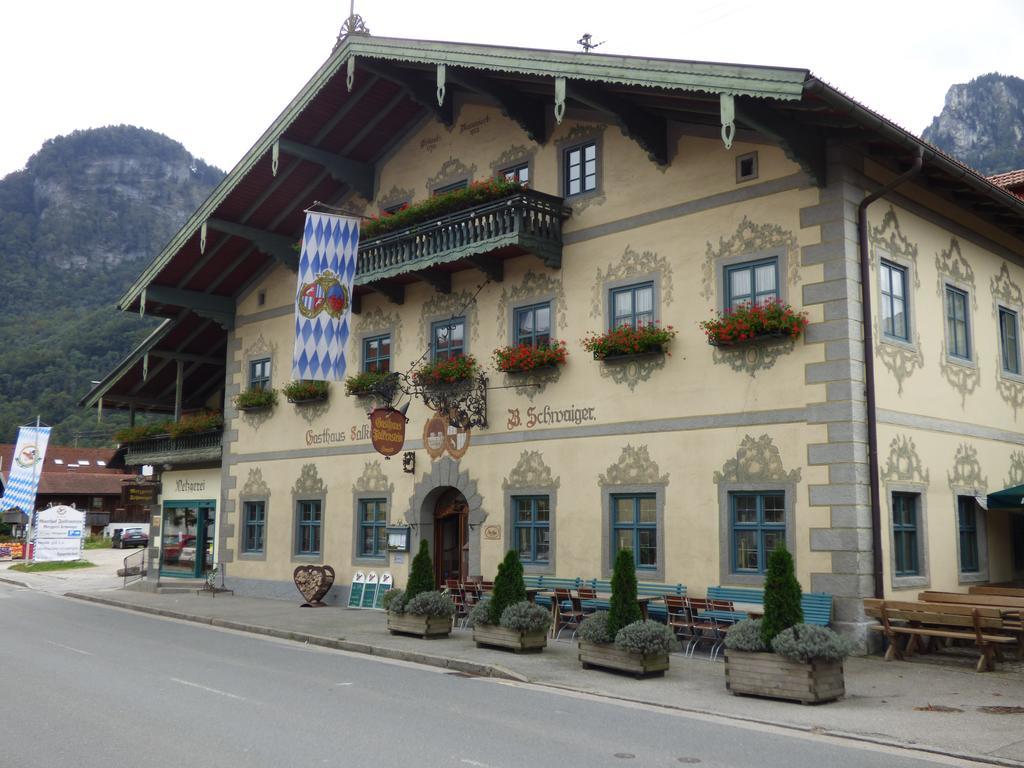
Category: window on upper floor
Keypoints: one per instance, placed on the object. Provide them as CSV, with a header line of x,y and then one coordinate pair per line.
x,y
746,167
753,282
259,373
533,325
893,288
448,339
463,184
757,528
1009,344
958,342
520,173
377,353
632,305
580,169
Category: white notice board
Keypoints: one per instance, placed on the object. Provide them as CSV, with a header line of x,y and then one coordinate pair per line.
x,y
58,534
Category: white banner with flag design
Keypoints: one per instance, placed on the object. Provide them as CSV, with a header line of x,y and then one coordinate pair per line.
x,y
26,466
323,301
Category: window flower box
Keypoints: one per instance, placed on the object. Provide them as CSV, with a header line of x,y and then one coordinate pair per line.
x,y
305,392
627,341
524,358
193,424
365,383
442,373
747,323
256,400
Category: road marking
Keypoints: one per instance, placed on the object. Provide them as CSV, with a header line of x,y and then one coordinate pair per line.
x,y
467,761
69,648
208,689
343,684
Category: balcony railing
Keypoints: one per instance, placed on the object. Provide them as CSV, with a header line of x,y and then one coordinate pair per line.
x,y
525,222
163,449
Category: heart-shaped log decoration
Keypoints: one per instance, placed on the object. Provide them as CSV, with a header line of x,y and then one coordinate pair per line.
x,y
314,582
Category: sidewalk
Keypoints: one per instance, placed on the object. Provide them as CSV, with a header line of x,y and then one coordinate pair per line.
x,y
883,700
103,576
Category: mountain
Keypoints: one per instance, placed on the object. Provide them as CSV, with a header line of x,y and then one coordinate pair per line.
x,y
77,226
982,124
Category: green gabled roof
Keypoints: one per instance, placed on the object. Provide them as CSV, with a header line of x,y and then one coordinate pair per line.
x,y
147,344
737,79
765,82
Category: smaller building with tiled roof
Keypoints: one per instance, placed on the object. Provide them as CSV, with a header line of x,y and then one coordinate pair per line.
x,y
1011,181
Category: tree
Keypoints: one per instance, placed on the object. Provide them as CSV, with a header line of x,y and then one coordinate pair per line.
x,y
782,595
509,587
623,608
421,576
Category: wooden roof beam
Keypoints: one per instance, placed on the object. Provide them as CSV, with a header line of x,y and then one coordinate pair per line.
x,y
274,245
441,280
648,130
493,267
422,94
358,176
528,112
394,292
220,309
804,147
187,357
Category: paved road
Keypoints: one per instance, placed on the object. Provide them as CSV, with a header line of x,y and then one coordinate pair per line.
x,y
86,686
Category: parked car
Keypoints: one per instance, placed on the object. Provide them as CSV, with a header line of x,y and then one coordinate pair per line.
x,y
130,537
174,544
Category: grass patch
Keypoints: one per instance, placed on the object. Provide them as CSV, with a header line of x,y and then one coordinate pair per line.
x,y
43,567
98,542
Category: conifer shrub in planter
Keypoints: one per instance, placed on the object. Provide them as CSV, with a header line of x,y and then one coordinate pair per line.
x,y
301,391
256,399
753,322
420,609
619,639
778,656
523,358
627,341
508,619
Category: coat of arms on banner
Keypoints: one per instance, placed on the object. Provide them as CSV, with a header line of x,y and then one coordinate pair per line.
x,y
323,299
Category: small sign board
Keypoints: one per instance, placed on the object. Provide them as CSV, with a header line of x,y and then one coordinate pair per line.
x,y
387,431
370,592
139,494
58,534
386,583
355,594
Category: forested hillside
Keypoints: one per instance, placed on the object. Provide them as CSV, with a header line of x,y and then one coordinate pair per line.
x,y
77,226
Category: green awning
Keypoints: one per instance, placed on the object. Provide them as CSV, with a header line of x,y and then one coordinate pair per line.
x,y
1008,498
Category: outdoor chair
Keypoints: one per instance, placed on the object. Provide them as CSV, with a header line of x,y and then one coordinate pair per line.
x,y
705,627
679,620
587,593
461,610
569,612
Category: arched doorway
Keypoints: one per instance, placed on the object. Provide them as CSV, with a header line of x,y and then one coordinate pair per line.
x,y
451,536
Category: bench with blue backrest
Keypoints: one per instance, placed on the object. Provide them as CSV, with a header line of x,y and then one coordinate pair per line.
x,y
550,584
817,606
655,610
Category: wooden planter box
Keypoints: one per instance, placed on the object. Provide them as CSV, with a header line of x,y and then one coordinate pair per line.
x,y
776,677
421,626
500,637
608,656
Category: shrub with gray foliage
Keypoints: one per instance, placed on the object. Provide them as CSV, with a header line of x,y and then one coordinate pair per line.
x,y
647,637
806,642
745,636
394,601
431,604
479,615
594,628
525,616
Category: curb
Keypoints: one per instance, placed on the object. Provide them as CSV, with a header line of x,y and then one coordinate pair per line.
x,y
457,665
494,671
15,582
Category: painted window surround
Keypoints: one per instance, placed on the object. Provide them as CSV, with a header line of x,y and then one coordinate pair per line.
x,y
722,265
1019,311
981,524
920,580
357,558
317,558
243,550
538,569
910,301
607,492
563,147
971,361
654,278
892,267
725,491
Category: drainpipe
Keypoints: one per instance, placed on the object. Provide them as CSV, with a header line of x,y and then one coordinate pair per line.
x,y
869,367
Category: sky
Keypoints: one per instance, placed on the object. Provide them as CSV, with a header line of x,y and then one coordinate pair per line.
x,y
214,74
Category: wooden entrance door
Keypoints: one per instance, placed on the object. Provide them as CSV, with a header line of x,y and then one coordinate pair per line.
x,y
451,537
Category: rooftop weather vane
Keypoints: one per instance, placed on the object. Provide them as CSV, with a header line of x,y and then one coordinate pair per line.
x,y
586,43
353,25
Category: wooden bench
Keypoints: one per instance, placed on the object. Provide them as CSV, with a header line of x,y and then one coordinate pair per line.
x,y
983,625
1004,591
816,606
1015,604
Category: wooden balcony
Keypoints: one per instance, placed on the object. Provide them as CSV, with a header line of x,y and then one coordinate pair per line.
x,y
481,237
200,448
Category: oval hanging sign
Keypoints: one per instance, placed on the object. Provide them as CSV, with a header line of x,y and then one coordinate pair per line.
x,y
387,430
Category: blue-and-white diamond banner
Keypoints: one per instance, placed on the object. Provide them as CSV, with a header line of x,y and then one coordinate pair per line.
x,y
26,466
323,301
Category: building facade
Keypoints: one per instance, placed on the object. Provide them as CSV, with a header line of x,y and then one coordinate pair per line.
x,y
720,186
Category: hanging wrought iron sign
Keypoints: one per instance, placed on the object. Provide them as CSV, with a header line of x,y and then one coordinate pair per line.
x,y
387,430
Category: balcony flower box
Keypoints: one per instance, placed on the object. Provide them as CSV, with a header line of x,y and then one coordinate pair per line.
x,y
752,323
445,373
626,341
306,392
256,400
524,358
193,424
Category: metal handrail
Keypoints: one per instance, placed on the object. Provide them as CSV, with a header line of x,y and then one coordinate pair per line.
x,y
166,444
127,576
